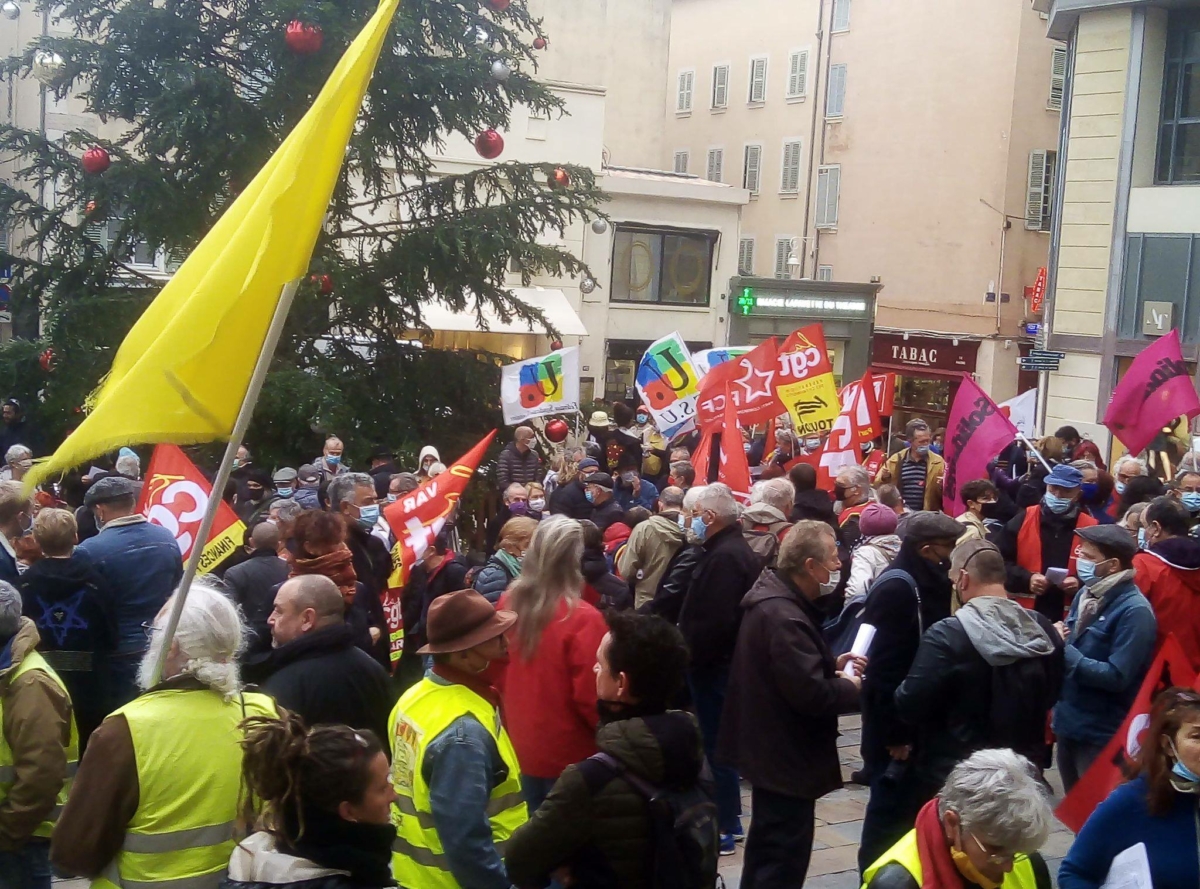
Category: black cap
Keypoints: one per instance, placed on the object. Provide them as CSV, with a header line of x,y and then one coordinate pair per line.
x,y
1112,539
923,527
379,452
106,490
603,479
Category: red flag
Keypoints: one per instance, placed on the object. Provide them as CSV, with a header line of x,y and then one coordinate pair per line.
x,y
841,448
1154,391
861,396
751,379
175,496
976,433
734,469
1116,763
885,393
702,456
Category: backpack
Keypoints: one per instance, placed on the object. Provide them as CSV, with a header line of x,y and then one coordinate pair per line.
x,y
764,544
839,632
685,838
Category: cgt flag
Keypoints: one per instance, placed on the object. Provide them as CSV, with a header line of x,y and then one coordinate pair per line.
x,y
1155,390
540,386
976,433
175,495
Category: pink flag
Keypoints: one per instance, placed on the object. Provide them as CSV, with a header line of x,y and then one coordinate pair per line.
x,y
976,433
1154,391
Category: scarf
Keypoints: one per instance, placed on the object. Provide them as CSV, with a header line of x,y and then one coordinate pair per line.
x,y
364,850
474,681
510,562
937,864
338,566
1092,596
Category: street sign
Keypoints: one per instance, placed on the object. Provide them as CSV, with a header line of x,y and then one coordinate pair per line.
x,y
5,317
1042,353
1027,364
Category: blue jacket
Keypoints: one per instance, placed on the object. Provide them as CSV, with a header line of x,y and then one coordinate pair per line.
x,y
1122,821
142,565
8,567
647,496
492,580
1106,663
307,498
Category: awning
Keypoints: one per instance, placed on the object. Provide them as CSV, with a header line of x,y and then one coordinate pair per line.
x,y
552,303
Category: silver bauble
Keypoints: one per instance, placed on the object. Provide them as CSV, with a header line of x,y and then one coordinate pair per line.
x,y
47,66
10,10
500,71
599,226
587,285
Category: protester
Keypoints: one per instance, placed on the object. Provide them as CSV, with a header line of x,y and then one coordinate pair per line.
x,y
811,502
1157,808
17,429
683,476
1075,447
139,561
455,771
852,493
598,488
765,521
601,587
315,669
877,549
514,502
252,584
382,460
652,545
916,472
709,619
1126,468
983,829
254,498
595,822
308,481
570,497
428,456
352,495
1168,574
519,463
284,481
164,770
630,488
1142,489
654,446
504,565
780,723
18,460
330,464
39,750
1186,487
327,798
15,519
976,495
673,587
1095,496
1110,636
400,484
74,611
537,500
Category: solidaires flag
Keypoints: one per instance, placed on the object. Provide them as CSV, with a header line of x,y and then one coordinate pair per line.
x,y
182,372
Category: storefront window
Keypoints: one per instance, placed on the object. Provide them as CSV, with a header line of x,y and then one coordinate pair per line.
x,y
660,266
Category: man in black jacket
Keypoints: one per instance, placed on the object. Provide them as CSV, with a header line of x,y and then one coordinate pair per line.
x,y
811,502
440,570
605,510
352,495
315,669
252,583
709,620
570,499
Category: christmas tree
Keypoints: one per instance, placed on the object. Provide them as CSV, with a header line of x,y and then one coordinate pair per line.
x,y
203,93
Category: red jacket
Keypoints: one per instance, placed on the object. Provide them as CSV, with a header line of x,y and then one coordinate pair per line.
x,y
1087,450
550,699
1169,576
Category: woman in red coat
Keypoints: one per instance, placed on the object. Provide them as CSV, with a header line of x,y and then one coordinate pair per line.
x,y
1168,574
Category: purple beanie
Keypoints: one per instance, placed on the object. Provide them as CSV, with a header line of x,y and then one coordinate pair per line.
x,y
877,520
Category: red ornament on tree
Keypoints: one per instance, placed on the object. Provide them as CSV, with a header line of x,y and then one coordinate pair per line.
x,y
556,431
539,42
90,208
302,38
560,178
46,360
96,160
499,5
323,282
489,144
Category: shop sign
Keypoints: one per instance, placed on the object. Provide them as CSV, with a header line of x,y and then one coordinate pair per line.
x,y
1037,299
755,301
923,353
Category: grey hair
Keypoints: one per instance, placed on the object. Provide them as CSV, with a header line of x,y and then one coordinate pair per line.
x,y
10,610
343,486
1081,465
719,498
13,500
914,426
515,486
806,540
550,571
1129,458
856,476
671,497
999,800
17,453
210,636
1134,512
288,509
692,495
777,492
130,467
1189,462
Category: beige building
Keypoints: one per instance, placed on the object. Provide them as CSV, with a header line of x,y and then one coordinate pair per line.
x,y
1125,265
907,144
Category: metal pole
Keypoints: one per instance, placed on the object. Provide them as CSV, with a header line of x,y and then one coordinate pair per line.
x,y
245,412
1036,452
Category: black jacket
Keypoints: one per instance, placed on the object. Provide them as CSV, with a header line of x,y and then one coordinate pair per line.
x,y
816,506
325,678
382,476
252,585
612,591
513,467
607,513
1058,533
571,500
668,598
711,612
780,722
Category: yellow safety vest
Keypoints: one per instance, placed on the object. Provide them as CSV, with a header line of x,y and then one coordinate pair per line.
x,y
422,714
34,661
189,769
905,853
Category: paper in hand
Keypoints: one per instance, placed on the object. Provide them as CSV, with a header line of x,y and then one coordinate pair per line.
x,y
1056,576
862,644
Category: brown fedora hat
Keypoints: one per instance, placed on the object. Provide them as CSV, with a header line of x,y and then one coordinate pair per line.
x,y
462,620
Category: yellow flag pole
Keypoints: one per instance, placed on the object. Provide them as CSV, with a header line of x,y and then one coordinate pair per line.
x,y
245,412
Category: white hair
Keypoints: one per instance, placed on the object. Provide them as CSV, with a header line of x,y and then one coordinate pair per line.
x,y
129,466
10,610
1081,465
514,489
777,492
17,453
855,476
209,636
1130,458
1189,462
691,496
999,800
719,498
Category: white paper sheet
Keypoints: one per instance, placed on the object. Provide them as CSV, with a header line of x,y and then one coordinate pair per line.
x,y
1056,575
862,644
1130,870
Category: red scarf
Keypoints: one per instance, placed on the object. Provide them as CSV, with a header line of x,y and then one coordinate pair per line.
x,y
338,566
474,681
937,866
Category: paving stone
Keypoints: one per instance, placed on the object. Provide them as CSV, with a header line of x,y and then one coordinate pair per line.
x,y
835,811
1057,844
833,860
828,836
847,879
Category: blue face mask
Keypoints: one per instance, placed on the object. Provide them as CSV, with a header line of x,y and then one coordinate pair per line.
x,y
1090,490
1191,499
1085,570
699,528
284,492
391,498
368,516
1179,770
1120,487
334,459
922,450
1142,538
590,495
1057,505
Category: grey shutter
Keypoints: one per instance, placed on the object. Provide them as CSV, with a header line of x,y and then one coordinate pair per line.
x,y
825,273
783,249
1058,78
798,74
751,172
828,187
841,15
835,105
746,256
716,161
790,179
758,80
1035,202
720,93
681,161
684,100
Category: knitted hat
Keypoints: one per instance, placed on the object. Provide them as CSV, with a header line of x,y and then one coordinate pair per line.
x,y
877,520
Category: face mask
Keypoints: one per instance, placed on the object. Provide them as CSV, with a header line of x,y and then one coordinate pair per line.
x,y
391,498
520,507
642,419
284,492
99,524
967,868
699,528
1085,570
839,492
590,495
628,477
1090,490
334,459
254,494
368,516
537,504
1142,544
1180,771
236,463
1057,505
1120,487
990,510
922,450
1191,499
827,588
682,521
811,444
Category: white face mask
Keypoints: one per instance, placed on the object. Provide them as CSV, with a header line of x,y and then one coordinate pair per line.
x,y
829,586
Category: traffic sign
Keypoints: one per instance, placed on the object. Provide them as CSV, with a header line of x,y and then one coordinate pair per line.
x,y
1042,353
1038,365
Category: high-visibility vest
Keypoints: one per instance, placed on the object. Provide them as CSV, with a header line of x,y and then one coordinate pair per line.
x,y
1029,546
905,853
34,661
189,769
422,714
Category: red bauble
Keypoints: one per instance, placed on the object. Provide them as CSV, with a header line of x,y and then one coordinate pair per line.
x,y
499,5
556,344
302,38
96,160
539,43
560,178
46,360
489,144
324,283
90,208
556,431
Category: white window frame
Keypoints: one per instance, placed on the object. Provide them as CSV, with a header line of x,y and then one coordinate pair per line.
x,y
795,76
826,214
1058,78
839,17
758,85
780,270
784,186
685,95
1039,197
686,156
824,273
746,256
719,95
716,152
752,183
837,78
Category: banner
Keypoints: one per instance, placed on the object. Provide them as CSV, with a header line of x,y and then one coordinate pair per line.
x,y
706,359
749,380
416,519
668,383
805,386
175,495
862,399
1022,411
733,469
1116,763
540,386
885,393
1154,391
842,448
975,433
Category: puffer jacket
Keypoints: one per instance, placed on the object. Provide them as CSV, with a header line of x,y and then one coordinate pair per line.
x,y
493,579
597,824
258,863
869,560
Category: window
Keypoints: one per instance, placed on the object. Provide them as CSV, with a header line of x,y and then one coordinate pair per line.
x,y
758,81
752,168
662,266
841,16
1179,137
797,85
790,180
783,252
746,256
683,101
1058,78
1041,190
835,101
824,273
716,163
829,186
681,161
1161,268
139,253
720,87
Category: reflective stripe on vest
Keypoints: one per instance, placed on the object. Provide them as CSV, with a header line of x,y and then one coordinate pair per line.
x,y
906,853
1029,547
189,765
8,773
422,715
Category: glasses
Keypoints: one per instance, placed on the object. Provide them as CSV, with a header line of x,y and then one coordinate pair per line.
x,y
997,858
149,629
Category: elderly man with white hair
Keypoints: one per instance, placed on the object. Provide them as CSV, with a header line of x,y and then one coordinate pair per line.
x,y
765,520
18,460
156,798
709,621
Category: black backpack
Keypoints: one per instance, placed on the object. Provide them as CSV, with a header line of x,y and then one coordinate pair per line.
x,y
839,632
685,838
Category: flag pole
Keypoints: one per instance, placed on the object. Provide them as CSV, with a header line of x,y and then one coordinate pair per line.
x,y
245,412
1036,452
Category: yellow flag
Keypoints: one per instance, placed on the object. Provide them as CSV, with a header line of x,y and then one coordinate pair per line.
x,y
182,372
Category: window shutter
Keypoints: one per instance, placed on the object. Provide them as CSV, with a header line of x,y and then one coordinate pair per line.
x,y
758,80
681,161
720,95
4,238
841,15
828,186
798,74
825,273
716,160
753,168
835,104
746,256
686,81
783,249
790,179
1035,199
1058,78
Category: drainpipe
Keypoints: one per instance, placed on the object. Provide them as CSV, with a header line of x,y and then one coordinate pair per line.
x,y
812,134
1005,225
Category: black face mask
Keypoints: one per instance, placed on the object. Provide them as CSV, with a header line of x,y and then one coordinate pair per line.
x,y
839,492
991,510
